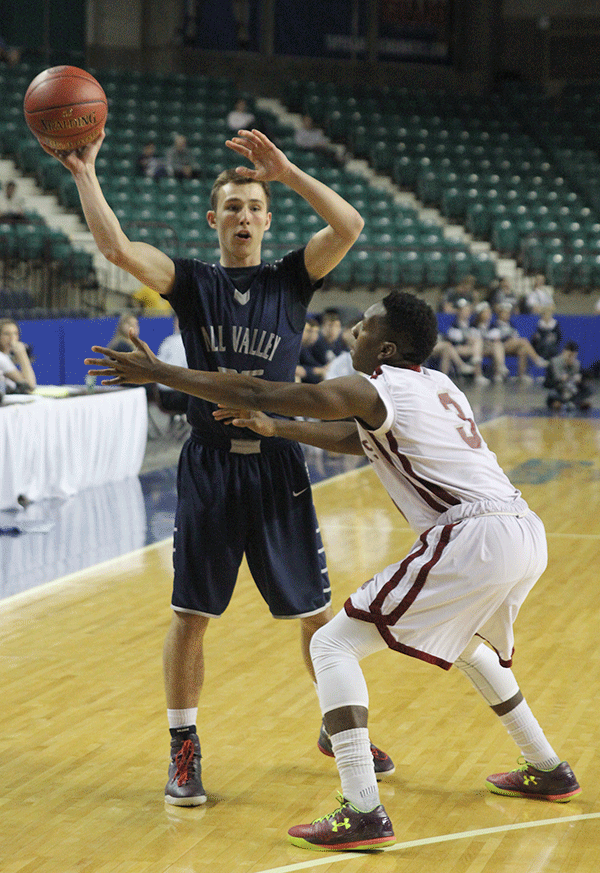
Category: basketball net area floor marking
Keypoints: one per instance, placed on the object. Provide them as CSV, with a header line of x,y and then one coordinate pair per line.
x,y
333,857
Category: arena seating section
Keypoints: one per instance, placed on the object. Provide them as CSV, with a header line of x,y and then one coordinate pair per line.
x,y
515,168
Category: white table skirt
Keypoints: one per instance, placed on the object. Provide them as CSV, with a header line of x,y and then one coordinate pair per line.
x,y
55,448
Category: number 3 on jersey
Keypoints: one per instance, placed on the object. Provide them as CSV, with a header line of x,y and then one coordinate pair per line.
x,y
470,435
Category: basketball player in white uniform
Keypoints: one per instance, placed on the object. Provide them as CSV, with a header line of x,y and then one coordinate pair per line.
x,y
453,599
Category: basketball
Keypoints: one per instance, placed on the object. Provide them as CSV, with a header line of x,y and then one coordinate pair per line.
x,y
65,108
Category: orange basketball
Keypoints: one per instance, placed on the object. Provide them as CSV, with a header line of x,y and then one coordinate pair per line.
x,y
65,108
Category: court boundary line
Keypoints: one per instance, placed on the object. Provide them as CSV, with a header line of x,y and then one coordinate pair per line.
x,y
334,857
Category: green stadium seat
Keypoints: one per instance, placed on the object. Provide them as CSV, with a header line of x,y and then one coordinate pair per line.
x,y
483,267
410,268
437,268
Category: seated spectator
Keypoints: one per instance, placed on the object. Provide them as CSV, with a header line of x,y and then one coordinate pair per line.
x,y
121,341
9,54
149,163
448,360
180,161
342,363
504,293
467,341
492,344
463,290
150,301
171,351
240,117
567,387
539,297
311,137
330,342
547,336
15,363
12,205
515,344
312,364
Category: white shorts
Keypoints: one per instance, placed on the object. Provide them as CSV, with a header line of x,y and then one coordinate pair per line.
x,y
464,576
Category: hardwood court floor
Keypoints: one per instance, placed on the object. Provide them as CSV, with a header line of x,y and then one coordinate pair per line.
x,y
83,737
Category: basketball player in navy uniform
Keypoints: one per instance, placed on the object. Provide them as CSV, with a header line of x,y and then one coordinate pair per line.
x,y
237,494
453,599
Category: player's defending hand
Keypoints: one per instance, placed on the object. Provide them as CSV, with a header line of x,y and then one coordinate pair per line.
x,y
78,160
137,368
257,421
270,163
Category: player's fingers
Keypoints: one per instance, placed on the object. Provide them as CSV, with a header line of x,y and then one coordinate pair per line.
x,y
108,353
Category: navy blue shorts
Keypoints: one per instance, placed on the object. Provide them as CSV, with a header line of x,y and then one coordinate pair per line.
x,y
259,505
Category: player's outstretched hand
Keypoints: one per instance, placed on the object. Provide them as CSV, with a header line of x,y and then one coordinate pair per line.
x,y
137,368
257,421
77,161
270,163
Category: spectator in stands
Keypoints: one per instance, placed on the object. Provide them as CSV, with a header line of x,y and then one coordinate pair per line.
x,y
120,341
492,344
150,301
330,342
467,341
15,363
547,337
342,363
539,296
309,136
9,54
503,293
12,205
515,344
180,161
448,360
240,117
171,351
312,365
567,387
463,290
149,163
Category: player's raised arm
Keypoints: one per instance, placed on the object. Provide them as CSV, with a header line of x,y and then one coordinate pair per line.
x,y
147,263
336,399
344,223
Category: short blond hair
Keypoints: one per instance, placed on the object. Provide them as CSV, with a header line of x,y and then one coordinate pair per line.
x,y
231,175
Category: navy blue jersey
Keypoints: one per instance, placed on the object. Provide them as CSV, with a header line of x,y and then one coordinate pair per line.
x,y
257,332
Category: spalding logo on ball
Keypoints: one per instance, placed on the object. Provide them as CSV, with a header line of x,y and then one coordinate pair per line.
x,y
65,108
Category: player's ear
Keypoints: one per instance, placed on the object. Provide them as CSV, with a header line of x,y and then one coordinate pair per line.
x,y
268,221
211,218
387,351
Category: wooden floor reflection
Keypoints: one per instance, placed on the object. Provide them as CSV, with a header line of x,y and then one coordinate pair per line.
x,y
83,740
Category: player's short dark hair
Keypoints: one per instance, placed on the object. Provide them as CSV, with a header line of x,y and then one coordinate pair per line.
x,y
231,175
414,322
571,346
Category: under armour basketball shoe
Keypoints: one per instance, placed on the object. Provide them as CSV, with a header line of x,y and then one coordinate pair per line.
x,y
345,829
558,785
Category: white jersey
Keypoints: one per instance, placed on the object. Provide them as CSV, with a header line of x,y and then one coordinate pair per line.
x,y
429,453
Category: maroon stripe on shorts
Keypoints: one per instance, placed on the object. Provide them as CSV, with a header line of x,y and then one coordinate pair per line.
x,y
383,622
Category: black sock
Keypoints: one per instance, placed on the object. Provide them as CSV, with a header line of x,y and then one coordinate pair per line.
x,y
183,733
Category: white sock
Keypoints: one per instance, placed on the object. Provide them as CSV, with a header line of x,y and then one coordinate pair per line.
x,y
529,737
182,717
354,760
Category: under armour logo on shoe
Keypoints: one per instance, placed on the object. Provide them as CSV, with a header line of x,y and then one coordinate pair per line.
x,y
339,824
528,779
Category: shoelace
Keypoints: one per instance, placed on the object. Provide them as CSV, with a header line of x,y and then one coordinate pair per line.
x,y
184,760
342,802
377,753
